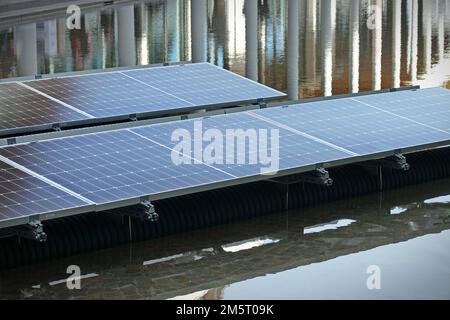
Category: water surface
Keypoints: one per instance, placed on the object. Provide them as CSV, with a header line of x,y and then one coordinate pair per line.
x,y
321,252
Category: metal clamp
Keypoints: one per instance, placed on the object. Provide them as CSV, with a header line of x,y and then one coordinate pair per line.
x,y
397,162
56,127
319,176
149,211
34,230
262,103
11,141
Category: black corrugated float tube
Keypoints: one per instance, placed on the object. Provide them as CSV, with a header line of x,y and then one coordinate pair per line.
x,y
88,232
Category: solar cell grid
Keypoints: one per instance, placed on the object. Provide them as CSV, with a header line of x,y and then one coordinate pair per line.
x,y
108,94
160,89
428,106
109,167
293,150
357,127
115,95
22,195
203,84
22,107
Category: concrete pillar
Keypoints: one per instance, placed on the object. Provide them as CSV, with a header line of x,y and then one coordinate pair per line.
x,y
126,37
354,47
293,49
327,8
396,42
26,49
377,45
251,39
198,30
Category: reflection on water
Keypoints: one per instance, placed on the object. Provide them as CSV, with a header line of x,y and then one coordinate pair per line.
x,y
303,47
319,252
328,226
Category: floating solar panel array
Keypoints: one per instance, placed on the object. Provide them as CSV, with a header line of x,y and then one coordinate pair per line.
x,y
119,168
35,105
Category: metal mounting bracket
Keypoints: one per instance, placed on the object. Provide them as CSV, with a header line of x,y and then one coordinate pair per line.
x,y
56,127
33,230
149,211
319,176
397,162
262,103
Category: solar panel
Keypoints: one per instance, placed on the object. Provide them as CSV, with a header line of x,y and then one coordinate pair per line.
x,y
293,150
127,164
203,84
112,166
428,106
117,95
117,166
21,107
108,94
23,195
353,124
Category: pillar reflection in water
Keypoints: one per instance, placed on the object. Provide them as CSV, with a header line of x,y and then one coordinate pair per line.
x,y
198,30
427,31
310,43
328,11
143,53
377,44
93,30
173,17
441,30
126,38
354,46
396,42
293,49
251,39
409,38
50,43
26,49
414,39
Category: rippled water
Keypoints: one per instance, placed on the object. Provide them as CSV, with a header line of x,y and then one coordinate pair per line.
x,y
319,252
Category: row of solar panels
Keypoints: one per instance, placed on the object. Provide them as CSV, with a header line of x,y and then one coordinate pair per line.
x,y
37,105
99,171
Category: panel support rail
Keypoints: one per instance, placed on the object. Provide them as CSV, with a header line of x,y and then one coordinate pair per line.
x,y
319,176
